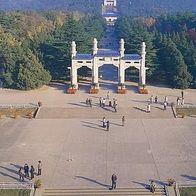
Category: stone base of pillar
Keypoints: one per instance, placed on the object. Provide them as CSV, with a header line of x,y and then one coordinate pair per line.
x,y
121,89
71,90
94,88
142,89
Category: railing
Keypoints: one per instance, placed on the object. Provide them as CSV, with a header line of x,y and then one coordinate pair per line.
x,y
16,185
180,184
186,183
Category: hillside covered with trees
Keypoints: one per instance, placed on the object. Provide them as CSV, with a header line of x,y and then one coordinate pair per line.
x,y
125,7
35,47
171,46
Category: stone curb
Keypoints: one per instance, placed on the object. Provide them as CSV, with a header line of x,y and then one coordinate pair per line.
x,y
174,110
37,112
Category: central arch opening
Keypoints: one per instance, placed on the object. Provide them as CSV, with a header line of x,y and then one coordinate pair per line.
x,y
108,72
108,77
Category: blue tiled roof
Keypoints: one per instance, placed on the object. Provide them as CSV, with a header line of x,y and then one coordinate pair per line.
x,y
110,14
107,53
132,57
83,57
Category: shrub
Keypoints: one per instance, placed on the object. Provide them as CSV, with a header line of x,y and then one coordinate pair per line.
x,y
171,181
37,183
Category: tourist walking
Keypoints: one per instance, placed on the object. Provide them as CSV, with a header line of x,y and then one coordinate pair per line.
x,y
39,167
178,101
103,102
110,103
152,186
151,99
123,121
100,101
114,181
21,175
115,107
166,100
26,170
182,94
148,108
90,102
108,95
182,103
32,172
87,102
115,102
104,122
165,105
108,125
156,99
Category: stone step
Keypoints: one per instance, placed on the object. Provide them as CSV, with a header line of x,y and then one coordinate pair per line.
x,y
101,192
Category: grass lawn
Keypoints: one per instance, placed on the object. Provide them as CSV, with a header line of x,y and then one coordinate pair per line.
x,y
186,111
188,191
14,192
16,112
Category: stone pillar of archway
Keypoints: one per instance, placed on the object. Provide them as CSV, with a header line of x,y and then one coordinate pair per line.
x,y
95,69
142,73
121,70
74,78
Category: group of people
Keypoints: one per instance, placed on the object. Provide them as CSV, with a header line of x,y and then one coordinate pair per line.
x,y
155,100
106,124
180,101
26,170
102,102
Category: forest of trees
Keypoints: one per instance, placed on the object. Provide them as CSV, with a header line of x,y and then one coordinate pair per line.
x,y
171,46
35,46
125,7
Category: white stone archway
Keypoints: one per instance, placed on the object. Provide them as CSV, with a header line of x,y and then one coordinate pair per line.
x,y
107,56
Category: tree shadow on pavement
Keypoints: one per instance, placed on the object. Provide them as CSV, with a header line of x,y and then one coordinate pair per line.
x,y
147,186
120,125
142,110
161,183
60,86
90,123
16,166
83,104
94,127
4,174
138,101
94,181
9,170
158,107
189,177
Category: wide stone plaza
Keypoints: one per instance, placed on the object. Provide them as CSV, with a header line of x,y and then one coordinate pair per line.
x,y
77,151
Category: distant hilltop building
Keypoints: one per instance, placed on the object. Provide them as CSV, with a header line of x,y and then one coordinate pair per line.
x,y
109,11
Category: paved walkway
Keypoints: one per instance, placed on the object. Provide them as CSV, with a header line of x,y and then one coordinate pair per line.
x,y
144,149
150,146
97,112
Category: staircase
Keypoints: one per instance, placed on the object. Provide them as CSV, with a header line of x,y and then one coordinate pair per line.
x,y
102,192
